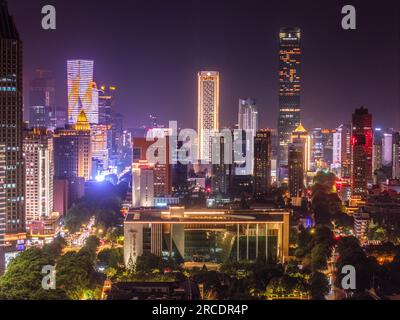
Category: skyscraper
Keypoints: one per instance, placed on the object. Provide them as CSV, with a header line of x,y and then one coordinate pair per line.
x,y
2,205
248,121
361,141
208,111
106,103
346,151
289,88
82,91
296,169
262,161
38,150
73,151
301,137
42,100
11,120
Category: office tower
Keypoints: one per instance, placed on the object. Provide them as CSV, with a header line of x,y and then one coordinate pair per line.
x,y
296,169
162,170
142,184
301,137
3,206
346,151
73,151
41,100
221,180
377,150
11,122
248,121
248,115
387,149
106,104
289,88
116,133
208,111
361,141
396,156
322,148
82,91
327,147
337,150
39,168
262,161
100,150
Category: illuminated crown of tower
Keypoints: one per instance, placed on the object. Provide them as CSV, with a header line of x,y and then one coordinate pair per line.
x,y
82,124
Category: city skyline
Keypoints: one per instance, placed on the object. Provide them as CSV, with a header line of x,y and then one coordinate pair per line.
x,y
337,73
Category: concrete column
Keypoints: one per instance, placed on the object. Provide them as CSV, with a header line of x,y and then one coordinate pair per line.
x,y
266,241
256,240
237,242
247,242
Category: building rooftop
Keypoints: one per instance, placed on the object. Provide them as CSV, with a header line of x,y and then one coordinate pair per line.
x,y
179,215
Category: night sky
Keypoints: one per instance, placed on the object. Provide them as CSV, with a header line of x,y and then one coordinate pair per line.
x,y
152,49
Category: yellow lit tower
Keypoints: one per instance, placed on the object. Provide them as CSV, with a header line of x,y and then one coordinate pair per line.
x,y
300,136
208,111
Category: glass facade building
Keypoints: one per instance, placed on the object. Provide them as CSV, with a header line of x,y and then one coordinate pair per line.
x,y
289,88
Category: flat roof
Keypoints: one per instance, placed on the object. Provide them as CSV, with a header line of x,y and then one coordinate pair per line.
x,y
206,216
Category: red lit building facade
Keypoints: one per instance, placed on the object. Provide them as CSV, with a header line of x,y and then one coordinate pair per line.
x,y
361,151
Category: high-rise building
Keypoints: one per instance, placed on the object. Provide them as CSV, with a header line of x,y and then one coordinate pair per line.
x,y
100,148
262,161
377,150
3,206
162,169
142,184
42,100
346,151
73,151
221,180
289,88
248,121
208,111
106,103
361,141
337,150
82,91
296,169
11,122
39,167
396,155
322,148
387,149
301,137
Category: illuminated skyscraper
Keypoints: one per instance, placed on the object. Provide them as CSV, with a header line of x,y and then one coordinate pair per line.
x,y
296,169
208,111
11,120
73,151
3,206
248,121
262,161
100,150
289,89
106,103
361,141
301,137
38,151
82,91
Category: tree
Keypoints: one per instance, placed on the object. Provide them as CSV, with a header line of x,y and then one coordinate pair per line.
x,y
111,257
351,253
319,286
23,279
